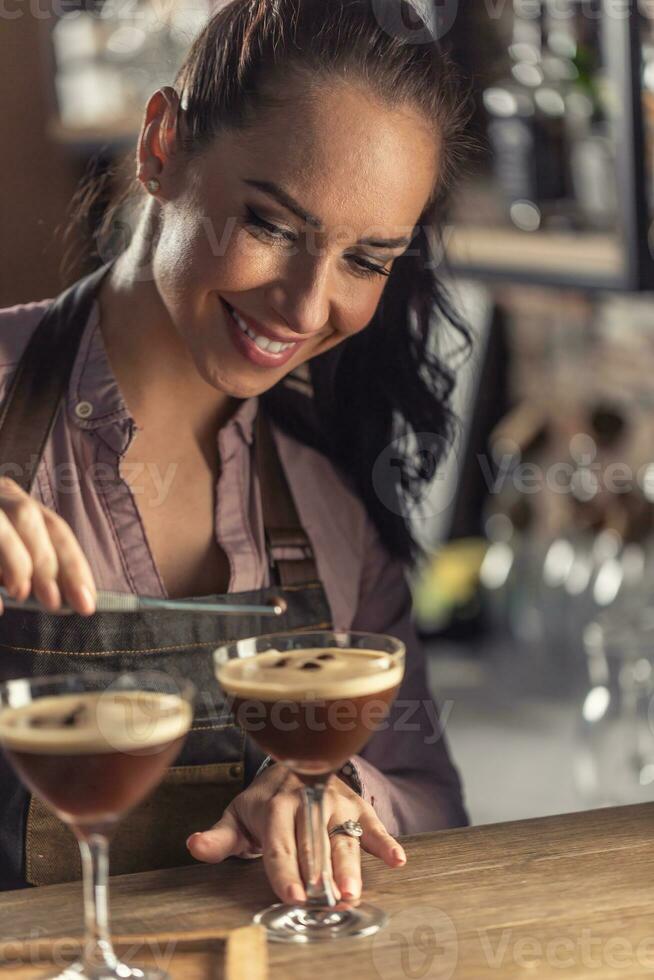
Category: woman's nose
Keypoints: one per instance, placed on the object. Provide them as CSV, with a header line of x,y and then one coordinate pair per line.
x,y
302,298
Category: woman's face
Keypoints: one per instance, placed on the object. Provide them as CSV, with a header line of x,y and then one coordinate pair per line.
x,y
276,230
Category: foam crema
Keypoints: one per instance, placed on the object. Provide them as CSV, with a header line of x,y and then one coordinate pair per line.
x,y
91,722
311,674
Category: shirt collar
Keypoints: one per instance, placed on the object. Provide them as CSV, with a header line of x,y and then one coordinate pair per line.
x,y
244,417
95,400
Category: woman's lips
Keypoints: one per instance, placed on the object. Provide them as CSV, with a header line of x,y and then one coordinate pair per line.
x,y
248,348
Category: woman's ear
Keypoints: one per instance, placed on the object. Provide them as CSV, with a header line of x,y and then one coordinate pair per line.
x,y
159,139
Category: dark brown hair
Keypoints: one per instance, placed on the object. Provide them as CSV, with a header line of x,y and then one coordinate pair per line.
x,y
386,385
231,74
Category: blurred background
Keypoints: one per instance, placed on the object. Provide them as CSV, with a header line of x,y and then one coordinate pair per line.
x,y
534,599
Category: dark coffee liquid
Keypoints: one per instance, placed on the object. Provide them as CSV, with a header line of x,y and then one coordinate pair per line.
x,y
92,756
87,787
313,737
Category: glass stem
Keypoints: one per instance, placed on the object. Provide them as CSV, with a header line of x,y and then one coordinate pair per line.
x,y
98,951
319,887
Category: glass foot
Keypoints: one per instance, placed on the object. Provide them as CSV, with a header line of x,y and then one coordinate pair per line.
x,y
312,924
77,971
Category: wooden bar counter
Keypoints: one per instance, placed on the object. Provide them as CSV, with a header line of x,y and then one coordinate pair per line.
x,y
568,896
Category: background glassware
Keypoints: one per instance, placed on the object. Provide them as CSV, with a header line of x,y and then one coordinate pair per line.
x,y
615,760
111,56
139,722
313,752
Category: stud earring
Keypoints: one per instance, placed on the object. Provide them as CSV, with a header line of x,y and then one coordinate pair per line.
x,y
153,185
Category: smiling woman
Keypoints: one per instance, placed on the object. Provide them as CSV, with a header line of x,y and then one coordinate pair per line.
x,y
227,385
321,160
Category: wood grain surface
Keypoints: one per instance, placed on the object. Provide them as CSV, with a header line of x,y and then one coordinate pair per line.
x,y
195,954
197,965
569,896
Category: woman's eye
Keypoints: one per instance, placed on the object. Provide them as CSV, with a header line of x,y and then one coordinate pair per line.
x,y
369,269
265,229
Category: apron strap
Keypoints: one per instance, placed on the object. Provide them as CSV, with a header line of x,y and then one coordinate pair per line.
x,y
41,379
282,524
40,384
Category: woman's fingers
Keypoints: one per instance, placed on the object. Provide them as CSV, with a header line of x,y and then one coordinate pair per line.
x,y
15,560
75,576
376,840
304,850
39,552
346,862
221,841
270,814
26,517
280,856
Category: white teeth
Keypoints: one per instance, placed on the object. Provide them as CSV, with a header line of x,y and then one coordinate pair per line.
x,y
270,346
263,343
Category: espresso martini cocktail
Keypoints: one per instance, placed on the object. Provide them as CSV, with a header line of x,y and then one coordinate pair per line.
x,y
311,700
312,708
93,755
92,746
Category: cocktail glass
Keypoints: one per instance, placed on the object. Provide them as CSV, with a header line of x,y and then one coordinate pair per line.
x,y
92,746
311,701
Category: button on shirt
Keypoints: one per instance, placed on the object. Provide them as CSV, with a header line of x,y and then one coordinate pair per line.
x,y
404,770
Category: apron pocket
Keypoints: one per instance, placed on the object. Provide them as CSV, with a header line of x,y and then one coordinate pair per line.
x,y
153,835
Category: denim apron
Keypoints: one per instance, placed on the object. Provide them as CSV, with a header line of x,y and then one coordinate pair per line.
x,y
217,760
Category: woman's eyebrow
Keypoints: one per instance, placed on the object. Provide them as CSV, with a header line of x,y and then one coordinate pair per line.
x,y
285,199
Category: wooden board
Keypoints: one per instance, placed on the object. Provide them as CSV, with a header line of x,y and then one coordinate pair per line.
x,y
201,954
561,897
189,966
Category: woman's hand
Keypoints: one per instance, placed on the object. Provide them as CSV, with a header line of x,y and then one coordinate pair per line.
x,y
267,817
39,553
